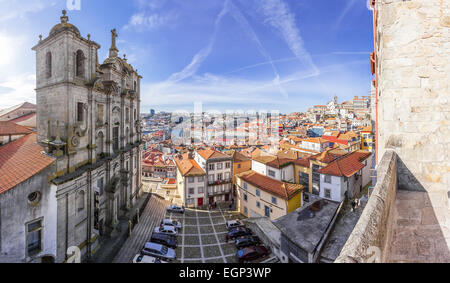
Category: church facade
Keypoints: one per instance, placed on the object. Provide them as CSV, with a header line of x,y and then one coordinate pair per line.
x,y
88,119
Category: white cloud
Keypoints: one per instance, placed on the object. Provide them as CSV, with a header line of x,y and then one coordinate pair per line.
x,y
278,15
18,9
215,89
350,4
144,21
19,88
198,58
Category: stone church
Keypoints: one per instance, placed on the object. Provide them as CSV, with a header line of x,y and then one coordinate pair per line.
x,y
88,120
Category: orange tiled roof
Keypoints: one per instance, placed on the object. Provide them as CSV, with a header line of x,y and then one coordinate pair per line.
x,y
273,161
347,165
280,189
188,167
20,160
11,128
209,153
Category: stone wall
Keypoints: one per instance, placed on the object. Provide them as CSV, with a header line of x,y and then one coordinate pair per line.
x,y
375,224
413,59
413,69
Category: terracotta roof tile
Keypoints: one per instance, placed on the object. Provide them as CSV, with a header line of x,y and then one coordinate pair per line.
x,y
280,189
347,165
11,128
188,167
20,160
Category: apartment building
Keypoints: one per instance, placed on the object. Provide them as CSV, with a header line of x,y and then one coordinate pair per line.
x,y
306,169
191,182
346,176
218,168
259,195
281,169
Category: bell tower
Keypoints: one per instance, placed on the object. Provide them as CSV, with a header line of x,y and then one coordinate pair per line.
x,y
65,64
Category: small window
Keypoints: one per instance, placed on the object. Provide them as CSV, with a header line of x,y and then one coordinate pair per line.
x,y
219,166
228,165
327,179
245,197
80,111
100,186
200,190
191,191
245,185
100,109
200,179
48,64
211,178
219,176
80,200
327,193
239,166
80,64
116,138
271,173
211,166
245,210
191,179
274,200
258,192
258,204
34,237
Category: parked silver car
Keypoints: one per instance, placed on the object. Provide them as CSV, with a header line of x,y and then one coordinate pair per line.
x,y
159,251
170,222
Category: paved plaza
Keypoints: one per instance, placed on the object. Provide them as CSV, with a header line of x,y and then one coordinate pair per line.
x,y
202,238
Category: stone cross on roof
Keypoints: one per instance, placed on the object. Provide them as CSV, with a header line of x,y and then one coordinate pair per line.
x,y
113,51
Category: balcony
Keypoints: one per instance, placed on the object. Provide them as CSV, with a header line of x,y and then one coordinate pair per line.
x,y
220,182
402,221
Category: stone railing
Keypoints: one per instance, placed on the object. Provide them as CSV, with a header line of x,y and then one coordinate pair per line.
x,y
369,239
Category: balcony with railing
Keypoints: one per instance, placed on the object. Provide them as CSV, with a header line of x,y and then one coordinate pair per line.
x,y
220,182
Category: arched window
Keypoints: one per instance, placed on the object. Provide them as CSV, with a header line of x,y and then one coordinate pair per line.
x,y
80,200
80,64
48,65
99,143
135,88
127,136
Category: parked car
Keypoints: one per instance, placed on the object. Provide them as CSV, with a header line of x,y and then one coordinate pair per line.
x,y
164,239
246,241
170,222
146,259
158,251
252,253
237,232
233,224
175,208
169,230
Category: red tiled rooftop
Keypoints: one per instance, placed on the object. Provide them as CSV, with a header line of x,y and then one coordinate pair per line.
x,y
11,128
281,189
347,165
20,160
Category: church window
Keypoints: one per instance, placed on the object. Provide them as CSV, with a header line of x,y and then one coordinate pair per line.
x,y
100,109
80,64
48,65
80,111
100,143
80,200
127,113
116,138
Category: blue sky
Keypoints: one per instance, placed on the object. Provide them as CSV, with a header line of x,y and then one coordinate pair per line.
x,y
284,55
